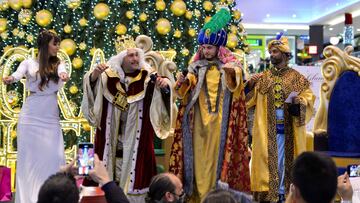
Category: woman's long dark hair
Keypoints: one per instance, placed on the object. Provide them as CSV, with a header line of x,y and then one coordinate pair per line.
x,y
48,65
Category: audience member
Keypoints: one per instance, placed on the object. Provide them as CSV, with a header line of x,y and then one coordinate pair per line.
x,y
314,179
165,187
61,187
219,196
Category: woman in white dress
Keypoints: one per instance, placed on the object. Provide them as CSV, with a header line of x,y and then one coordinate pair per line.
x,y
39,136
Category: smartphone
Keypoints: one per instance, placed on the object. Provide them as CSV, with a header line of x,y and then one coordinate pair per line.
x,y
353,170
85,159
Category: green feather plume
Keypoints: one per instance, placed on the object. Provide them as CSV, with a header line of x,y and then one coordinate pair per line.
x,y
218,21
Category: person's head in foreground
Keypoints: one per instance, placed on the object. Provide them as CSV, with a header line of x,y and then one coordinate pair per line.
x,y
59,188
219,196
165,188
314,178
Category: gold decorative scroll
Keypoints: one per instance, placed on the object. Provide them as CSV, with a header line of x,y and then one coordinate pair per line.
x,y
336,62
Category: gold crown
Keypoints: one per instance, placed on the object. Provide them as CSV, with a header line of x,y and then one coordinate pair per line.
x,y
124,42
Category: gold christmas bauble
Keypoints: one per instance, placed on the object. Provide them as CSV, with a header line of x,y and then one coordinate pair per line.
x,y
207,19
160,5
101,11
15,31
143,17
73,4
4,5
197,13
15,4
30,38
237,14
232,41
188,15
73,106
208,6
68,45
163,26
233,29
21,34
129,14
12,97
177,33
82,46
92,51
24,16
86,126
67,29
83,22
178,7
3,24
4,35
27,3
43,18
192,32
185,52
136,28
120,29
73,89
77,62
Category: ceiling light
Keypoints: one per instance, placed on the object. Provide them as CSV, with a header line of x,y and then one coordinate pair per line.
x,y
330,28
294,15
275,26
357,30
334,40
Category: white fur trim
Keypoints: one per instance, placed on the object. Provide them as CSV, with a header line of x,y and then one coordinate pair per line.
x,y
116,61
132,174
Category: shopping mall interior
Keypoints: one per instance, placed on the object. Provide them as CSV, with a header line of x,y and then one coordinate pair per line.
x,y
311,25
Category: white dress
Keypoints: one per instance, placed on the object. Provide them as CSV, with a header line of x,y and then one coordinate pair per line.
x,y
39,137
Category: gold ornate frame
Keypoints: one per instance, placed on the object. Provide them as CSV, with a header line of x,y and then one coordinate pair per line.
x,y
337,61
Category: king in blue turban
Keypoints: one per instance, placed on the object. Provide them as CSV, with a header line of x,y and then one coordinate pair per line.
x,y
210,141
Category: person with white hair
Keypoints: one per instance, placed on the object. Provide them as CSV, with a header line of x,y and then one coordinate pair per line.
x,y
128,103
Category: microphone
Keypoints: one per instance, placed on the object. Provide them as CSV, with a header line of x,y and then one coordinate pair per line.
x,y
164,90
184,72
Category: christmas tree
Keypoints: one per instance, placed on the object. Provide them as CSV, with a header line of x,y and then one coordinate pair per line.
x,y
87,25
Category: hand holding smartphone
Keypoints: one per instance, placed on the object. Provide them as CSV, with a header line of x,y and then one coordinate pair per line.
x,y
85,160
353,170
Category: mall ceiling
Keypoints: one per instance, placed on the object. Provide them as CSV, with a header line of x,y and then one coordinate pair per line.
x,y
271,16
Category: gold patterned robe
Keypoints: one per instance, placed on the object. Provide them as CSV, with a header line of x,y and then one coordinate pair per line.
x,y
263,169
211,133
